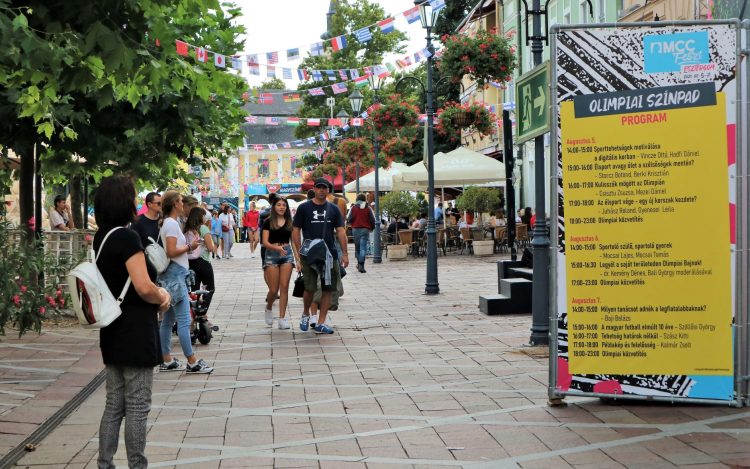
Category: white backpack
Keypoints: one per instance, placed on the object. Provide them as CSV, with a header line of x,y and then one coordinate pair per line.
x,y
94,303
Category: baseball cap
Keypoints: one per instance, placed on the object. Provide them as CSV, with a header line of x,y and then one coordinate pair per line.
x,y
323,182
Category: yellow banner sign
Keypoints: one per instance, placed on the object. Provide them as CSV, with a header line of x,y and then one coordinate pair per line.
x,y
648,263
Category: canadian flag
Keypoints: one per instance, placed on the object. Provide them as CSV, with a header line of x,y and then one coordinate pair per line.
x,y
357,122
201,55
220,61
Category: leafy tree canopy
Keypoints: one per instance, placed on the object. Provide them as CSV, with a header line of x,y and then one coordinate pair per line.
x,y
270,84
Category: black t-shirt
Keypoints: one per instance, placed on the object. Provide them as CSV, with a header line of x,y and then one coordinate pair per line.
x,y
397,225
146,227
312,217
280,236
133,338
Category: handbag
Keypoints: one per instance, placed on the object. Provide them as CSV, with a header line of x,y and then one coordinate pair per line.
x,y
224,228
299,286
157,255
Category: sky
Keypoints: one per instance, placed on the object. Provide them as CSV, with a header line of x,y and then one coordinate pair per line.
x,y
278,25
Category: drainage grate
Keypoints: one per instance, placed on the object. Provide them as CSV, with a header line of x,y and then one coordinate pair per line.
x,y
49,425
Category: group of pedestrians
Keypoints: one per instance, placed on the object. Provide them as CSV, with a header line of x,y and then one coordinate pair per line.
x,y
313,243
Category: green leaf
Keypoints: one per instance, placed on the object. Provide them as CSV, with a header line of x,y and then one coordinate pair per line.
x,y
47,129
19,22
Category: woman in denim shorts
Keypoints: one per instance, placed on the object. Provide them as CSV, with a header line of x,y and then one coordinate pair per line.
x,y
280,258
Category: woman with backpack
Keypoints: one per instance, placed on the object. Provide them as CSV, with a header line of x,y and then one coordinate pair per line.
x,y
175,279
129,358
198,260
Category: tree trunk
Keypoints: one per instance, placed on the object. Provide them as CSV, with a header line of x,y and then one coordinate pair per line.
x,y
76,200
26,190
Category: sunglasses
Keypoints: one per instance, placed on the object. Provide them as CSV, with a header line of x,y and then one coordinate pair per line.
x,y
157,203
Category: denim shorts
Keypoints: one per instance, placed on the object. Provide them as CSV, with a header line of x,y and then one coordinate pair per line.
x,y
276,259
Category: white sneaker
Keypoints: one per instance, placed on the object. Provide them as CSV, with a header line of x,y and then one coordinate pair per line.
x,y
269,317
313,320
252,254
283,324
231,255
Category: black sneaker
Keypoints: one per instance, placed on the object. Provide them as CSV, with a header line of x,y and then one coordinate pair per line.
x,y
174,365
199,367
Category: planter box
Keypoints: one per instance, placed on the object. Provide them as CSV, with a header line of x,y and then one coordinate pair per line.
x,y
397,252
484,248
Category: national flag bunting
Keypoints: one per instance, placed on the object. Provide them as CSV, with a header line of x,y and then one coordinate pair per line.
x,y
422,118
311,140
412,15
286,73
290,98
270,71
252,119
345,128
364,115
182,48
360,82
299,143
357,122
425,53
339,43
335,121
236,62
363,35
317,92
265,99
334,132
342,73
317,76
272,57
354,73
272,121
286,145
316,49
338,88
386,26
313,122
417,57
252,59
368,71
258,147
390,67
292,54
292,121
220,61
407,60
324,136
331,75
302,74
381,71
201,55
437,4
272,146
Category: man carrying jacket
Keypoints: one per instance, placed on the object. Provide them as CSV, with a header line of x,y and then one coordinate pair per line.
x,y
362,221
319,219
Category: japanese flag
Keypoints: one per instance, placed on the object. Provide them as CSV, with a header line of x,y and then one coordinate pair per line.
x,y
200,54
220,61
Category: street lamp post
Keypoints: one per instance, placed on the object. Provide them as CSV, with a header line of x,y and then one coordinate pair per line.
x,y
344,116
432,287
375,83
356,99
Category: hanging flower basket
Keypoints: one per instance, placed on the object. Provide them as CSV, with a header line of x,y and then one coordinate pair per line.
x,y
461,119
478,118
396,148
357,149
486,57
395,112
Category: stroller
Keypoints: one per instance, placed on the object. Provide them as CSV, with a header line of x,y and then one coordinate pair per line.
x,y
198,309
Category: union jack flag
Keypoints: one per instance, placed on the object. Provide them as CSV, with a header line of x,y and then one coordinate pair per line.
x,y
252,119
317,92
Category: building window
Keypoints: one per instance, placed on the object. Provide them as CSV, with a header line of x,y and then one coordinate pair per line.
x,y
263,169
602,12
566,16
583,15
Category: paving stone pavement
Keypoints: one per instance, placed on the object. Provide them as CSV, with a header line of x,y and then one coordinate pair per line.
x,y
407,381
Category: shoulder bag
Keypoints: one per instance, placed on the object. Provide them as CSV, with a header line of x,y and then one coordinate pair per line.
x,y
157,255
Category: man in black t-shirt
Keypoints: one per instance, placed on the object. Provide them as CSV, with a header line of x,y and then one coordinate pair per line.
x,y
319,219
147,225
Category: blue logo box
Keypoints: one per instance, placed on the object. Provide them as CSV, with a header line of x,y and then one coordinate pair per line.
x,y
670,52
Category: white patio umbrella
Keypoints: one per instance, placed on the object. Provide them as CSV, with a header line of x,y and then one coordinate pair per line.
x,y
385,180
461,167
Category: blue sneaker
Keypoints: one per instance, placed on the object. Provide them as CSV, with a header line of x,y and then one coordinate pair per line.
x,y
323,329
304,324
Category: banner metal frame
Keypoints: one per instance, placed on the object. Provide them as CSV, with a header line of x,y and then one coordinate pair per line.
x,y
742,279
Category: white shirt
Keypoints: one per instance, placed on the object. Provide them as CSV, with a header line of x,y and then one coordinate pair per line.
x,y
171,229
56,219
227,220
